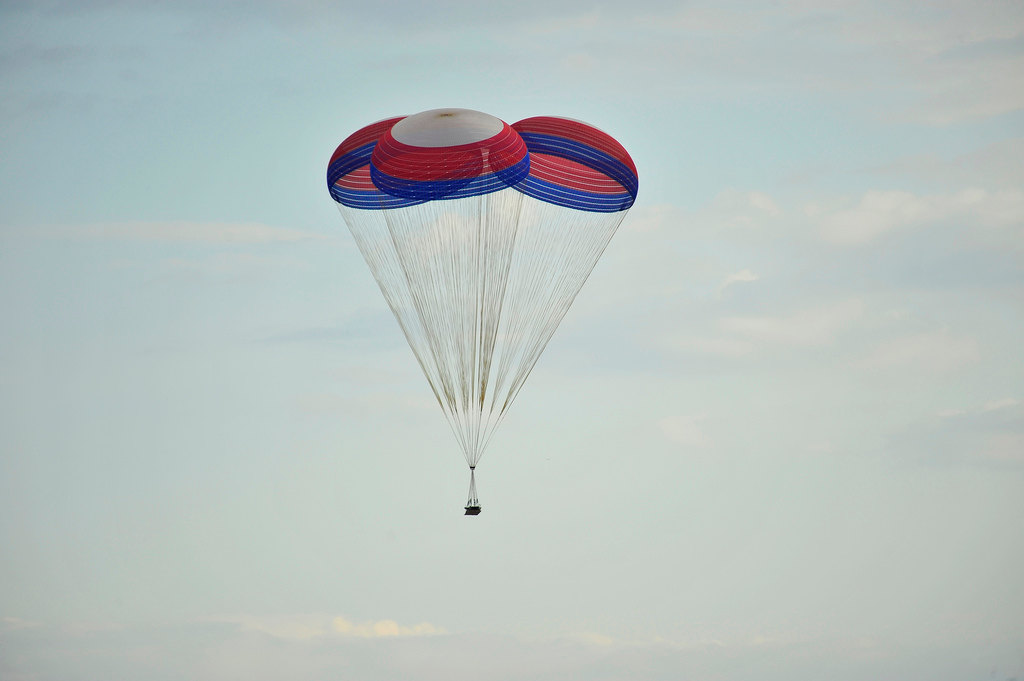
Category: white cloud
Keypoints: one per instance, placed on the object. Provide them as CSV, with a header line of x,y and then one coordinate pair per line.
x,y
997,405
876,213
653,218
881,212
16,624
1005,447
962,89
997,165
712,20
290,627
194,232
579,61
933,63
951,413
763,203
849,221
933,351
949,25
384,629
221,263
718,346
989,432
820,447
956,59
730,209
742,276
739,209
329,405
685,430
580,21
594,638
816,326
307,627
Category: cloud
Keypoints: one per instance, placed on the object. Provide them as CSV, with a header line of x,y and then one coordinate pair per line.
x,y
997,165
188,232
991,216
763,203
987,433
1005,447
685,430
308,627
222,263
206,651
933,351
717,346
579,61
594,639
731,209
963,89
384,629
742,276
653,218
876,213
740,209
882,212
951,413
17,624
936,63
997,405
811,327
290,627
958,61
712,20
739,336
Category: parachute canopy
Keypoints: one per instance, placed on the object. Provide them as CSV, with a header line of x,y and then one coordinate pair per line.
x,y
480,235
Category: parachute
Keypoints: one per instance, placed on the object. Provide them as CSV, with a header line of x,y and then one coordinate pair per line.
x,y
480,236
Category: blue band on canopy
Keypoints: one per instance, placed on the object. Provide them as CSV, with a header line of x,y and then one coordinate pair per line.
x,y
345,164
568,197
576,197
364,198
418,191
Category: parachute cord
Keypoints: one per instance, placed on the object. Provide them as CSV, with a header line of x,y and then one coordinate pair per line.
x,y
478,286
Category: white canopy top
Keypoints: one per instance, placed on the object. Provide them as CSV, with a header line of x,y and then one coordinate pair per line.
x,y
446,128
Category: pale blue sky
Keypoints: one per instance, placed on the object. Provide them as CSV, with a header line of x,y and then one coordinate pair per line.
x,y
779,436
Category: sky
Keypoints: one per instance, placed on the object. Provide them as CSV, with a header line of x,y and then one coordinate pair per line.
x,y
779,436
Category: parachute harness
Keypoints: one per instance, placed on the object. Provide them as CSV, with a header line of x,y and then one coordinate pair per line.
x,y
472,503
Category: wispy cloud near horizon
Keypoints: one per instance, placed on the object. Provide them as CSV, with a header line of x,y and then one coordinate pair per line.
x,y
304,627
183,232
878,213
